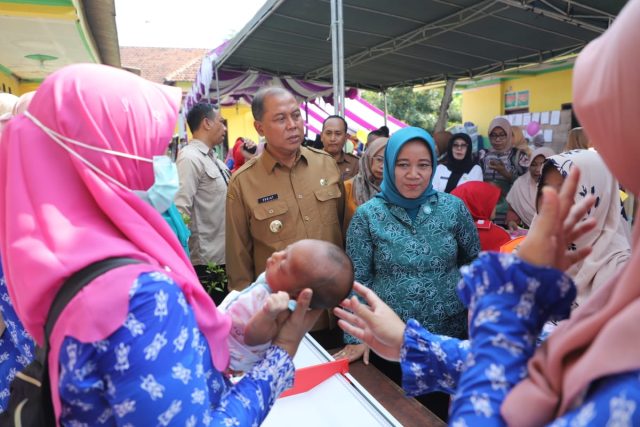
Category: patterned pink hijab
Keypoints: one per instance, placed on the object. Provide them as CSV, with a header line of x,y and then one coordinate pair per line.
x,y
58,216
602,336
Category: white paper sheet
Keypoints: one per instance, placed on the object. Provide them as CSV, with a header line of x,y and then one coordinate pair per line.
x,y
544,118
517,120
548,135
535,117
555,117
335,402
526,119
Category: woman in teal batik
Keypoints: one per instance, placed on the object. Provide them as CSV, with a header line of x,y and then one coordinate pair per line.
x,y
407,244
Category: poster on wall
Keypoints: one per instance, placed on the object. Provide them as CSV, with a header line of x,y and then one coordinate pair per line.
x,y
516,100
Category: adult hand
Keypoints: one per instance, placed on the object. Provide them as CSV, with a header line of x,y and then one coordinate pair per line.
x,y
374,324
297,324
354,352
513,226
499,167
558,223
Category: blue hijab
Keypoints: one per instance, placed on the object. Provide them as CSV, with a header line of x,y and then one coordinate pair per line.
x,y
388,189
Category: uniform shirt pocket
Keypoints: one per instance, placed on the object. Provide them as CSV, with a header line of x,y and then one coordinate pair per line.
x,y
272,222
212,178
327,203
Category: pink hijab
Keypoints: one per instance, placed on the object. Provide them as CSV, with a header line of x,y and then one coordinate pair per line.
x,y
58,216
602,336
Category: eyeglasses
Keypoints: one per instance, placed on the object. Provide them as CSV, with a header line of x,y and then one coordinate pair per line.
x,y
378,159
498,135
460,146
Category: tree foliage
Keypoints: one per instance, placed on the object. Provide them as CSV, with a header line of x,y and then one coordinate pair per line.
x,y
416,107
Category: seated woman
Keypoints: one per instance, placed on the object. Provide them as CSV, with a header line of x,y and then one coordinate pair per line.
x,y
481,199
460,167
142,344
366,184
503,164
407,244
521,198
587,372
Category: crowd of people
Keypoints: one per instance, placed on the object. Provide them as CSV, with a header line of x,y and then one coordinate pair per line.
x,y
389,252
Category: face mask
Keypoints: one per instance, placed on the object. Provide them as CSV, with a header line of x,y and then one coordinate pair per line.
x,y
165,186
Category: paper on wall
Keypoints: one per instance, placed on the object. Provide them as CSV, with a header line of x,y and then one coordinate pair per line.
x,y
548,135
535,117
555,117
517,120
526,119
544,118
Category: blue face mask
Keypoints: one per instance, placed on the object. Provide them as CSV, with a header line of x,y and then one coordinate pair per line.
x,y
165,185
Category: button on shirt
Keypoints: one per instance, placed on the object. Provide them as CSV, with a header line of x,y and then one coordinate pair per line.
x,y
270,206
203,189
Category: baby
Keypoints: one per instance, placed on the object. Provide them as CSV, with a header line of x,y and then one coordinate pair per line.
x,y
258,311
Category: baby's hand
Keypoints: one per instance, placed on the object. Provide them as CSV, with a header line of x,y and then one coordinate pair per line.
x,y
276,304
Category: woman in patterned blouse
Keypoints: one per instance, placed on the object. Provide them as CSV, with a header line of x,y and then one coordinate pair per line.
x,y
407,244
586,373
142,344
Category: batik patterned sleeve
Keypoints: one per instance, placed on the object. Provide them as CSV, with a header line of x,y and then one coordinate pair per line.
x,y
466,235
430,362
156,370
509,300
360,250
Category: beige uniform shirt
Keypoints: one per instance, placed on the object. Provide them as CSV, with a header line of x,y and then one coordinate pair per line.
x,y
202,194
348,164
270,206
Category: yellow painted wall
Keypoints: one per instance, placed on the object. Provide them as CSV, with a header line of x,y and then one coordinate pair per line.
x,y
28,87
481,105
239,123
11,84
546,92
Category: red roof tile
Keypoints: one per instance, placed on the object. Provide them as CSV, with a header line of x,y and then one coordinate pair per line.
x,y
160,64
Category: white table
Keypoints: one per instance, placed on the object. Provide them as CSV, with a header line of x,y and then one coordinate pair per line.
x,y
337,402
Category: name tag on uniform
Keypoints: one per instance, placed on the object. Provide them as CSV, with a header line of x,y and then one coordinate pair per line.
x,y
266,199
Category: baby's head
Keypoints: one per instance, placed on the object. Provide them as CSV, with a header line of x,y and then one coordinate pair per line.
x,y
315,264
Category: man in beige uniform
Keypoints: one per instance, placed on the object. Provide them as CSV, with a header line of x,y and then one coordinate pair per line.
x,y
203,190
286,194
334,136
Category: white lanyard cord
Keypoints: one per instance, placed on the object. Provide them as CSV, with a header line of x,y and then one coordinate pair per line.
x,y
54,136
53,133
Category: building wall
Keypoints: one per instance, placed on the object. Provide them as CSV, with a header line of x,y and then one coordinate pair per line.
x,y
239,123
481,105
9,84
547,91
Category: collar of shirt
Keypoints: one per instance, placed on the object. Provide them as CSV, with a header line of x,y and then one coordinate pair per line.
x,y
341,158
269,162
203,148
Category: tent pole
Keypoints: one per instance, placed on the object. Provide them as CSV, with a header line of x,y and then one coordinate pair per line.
x,y
386,110
334,56
340,59
306,119
218,102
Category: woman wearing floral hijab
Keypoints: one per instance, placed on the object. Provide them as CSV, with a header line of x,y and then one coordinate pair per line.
x,y
143,343
610,239
503,163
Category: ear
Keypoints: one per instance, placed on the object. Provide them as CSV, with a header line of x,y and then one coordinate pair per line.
x,y
259,128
